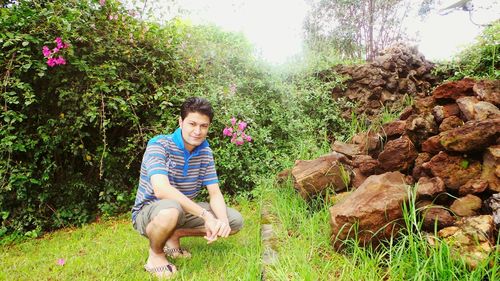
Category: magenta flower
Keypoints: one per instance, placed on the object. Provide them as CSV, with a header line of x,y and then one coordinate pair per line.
x,y
61,262
46,51
233,121
248,138
227,131
102,2
239,142
51,62
60,60
242,125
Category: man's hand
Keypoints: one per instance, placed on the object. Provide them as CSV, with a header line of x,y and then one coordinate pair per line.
x,y
215,228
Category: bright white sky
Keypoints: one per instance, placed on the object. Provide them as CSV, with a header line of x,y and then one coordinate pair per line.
x,y
275,26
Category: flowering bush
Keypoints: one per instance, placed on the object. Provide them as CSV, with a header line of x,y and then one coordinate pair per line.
x,y
52,60
237,133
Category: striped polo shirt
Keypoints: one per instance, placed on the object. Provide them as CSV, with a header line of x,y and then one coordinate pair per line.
x,y
188,172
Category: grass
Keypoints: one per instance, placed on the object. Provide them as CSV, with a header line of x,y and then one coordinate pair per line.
x,y
112,250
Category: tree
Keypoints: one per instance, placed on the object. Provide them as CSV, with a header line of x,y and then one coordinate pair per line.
x,y
356,28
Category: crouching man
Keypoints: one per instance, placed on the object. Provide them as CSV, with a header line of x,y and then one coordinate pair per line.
x,y
174,169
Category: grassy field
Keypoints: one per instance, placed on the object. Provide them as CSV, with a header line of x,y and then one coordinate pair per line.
x,y
112,250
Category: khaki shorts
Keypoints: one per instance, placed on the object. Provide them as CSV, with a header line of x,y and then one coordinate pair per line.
x,y
186,220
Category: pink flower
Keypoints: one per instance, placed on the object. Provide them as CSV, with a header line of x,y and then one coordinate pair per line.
x,y
110,17
242,125
46,51
61,262
51,62
55,50
59,43
249,138
102,2
60,60
232,88
233,121
227,132
239,142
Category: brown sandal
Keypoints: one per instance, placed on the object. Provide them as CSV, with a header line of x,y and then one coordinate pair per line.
x,y
176,252
160,269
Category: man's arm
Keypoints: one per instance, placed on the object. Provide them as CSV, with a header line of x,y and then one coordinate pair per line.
x,y
218,206
163,190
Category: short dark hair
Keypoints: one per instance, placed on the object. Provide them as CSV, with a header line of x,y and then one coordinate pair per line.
x,y
197,104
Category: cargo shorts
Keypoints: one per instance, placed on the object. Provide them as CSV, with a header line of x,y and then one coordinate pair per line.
x,y
186,220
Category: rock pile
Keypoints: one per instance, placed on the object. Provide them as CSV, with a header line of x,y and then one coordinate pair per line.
x,y
447,144
397,71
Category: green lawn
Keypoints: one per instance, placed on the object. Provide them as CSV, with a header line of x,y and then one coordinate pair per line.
x,y
112,250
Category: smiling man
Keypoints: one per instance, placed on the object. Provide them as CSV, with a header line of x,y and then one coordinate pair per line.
x,y
174,169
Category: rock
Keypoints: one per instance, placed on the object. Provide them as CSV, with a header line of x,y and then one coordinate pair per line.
x,y
473,109
393,129
283,176
491,167
398,155
418,170
441,112
407,112
454,90
435,217
420,127
358,178
493,205
430,187
366,164
368,143
347,149
488,90
472,136
449,123
424,105
313,176
375,207
471,240
454,170
473,186
432,145
466,206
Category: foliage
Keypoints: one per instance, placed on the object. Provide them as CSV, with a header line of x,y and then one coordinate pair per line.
x,y
355,29
479,60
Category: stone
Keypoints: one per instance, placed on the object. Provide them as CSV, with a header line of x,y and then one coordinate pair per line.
x,y
369,143
473,186
430,187
493,205
454,89
491,165
471,239
424,105
398,155
449,123
347,149
432,145
466,206
435,217
472,136
311,177
441,112
420,127
283,176
407,112
473,109
393,129
374,208
418,170
366,164
455,171
488,90
466,105
358,178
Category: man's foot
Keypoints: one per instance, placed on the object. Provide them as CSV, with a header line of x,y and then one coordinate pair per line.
x,y
159,266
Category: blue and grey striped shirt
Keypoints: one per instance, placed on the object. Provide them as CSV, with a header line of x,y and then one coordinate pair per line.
x,y
188,172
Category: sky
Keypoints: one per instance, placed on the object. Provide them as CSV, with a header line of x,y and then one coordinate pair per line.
x,y
275,26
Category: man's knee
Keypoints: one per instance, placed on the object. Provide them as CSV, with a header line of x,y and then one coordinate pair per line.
x,y
166,218
235,221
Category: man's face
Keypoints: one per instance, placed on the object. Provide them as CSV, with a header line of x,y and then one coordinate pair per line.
x,y
194,129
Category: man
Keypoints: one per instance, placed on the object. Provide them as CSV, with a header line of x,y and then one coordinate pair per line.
x,y
174,168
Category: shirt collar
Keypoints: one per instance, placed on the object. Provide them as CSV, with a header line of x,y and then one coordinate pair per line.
x,y
179,142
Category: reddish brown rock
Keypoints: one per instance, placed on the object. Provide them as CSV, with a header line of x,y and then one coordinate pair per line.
x,y
398,155
472,239
418,170
369,143
375,209
454,170
347,149
432,145
366,164
488,90
313,176
473,186
393,129
435,217
454,90
424,105
466,206
407,112
491,167
430,187
358,178
473,135
420,127
493,206
441,112
473,109
449,123
283,176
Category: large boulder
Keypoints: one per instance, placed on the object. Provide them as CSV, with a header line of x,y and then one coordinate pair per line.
x,y
488,90
398,155
374,210
454,90
472,136
473,109
454,170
